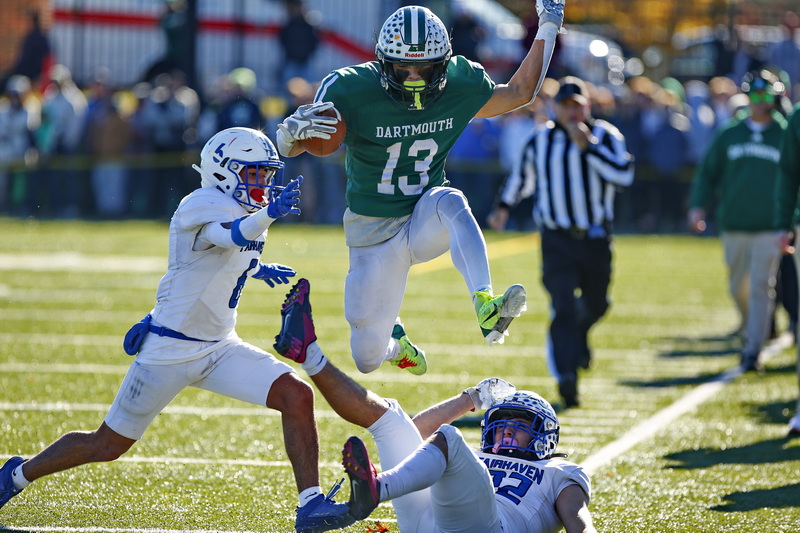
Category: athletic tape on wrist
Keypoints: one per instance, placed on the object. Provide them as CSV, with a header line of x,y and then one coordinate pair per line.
x,y
547,32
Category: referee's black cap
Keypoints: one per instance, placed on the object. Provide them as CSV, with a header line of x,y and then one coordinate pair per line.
x,y
571,87
762,80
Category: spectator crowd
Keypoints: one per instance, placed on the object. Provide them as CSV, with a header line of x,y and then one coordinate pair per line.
x,y
109,151
106,151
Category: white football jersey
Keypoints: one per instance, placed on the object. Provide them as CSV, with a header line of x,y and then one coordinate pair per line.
x,y
199,293
526,491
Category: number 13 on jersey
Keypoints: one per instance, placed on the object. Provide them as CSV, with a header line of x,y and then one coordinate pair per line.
x,y
422,152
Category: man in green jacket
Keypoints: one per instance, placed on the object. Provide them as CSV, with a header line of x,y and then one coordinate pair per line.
x,y
788,210
739,173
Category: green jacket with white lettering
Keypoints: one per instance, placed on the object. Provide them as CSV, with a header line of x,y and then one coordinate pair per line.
x,y
787,197
739,172
395,154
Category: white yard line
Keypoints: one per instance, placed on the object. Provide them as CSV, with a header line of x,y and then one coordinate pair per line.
x,y
604,456
170,409
648,428
78,262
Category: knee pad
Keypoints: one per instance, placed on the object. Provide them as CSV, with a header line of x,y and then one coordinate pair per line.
x,y
451,202
368,349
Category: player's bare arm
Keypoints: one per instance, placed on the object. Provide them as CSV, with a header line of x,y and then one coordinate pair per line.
x,y
482,396
522,87
572,506
526,81
444,412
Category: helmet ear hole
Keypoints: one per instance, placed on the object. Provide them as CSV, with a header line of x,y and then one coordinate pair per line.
x,y
221,178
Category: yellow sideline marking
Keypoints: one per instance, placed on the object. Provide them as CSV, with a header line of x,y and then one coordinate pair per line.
x,y
498,250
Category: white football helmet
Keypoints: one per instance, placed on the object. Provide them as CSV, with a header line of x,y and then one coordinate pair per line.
x,y
227,161
413,35
543,427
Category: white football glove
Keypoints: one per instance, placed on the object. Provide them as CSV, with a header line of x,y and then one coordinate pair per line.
x,y
489,392
305,123
550,11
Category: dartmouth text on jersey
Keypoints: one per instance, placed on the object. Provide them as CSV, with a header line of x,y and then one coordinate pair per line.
x,y
394,132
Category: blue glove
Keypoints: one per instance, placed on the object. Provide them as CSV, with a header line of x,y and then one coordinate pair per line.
x,y
274,273
286,202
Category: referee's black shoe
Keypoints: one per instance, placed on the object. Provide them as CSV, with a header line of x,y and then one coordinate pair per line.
x,y
568,389
751,363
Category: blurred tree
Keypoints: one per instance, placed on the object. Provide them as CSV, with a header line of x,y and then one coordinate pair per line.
x,y
642,23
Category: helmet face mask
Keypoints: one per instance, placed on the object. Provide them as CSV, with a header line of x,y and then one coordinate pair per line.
x,y
413,36
523,414
256,187
244,164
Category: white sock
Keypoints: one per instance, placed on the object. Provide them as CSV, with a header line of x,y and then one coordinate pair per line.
x,y
19,479
315,359
392,350
419,470
309,494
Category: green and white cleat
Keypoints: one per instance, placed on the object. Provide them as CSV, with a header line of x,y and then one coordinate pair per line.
x,y
495,313
409,356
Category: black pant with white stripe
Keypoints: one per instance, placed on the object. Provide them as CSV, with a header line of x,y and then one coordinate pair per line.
x,y
576,272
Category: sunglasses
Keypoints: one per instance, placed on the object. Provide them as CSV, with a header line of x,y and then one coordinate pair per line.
x,y
761,97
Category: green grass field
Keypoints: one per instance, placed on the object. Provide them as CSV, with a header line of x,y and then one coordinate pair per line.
x,y
70,290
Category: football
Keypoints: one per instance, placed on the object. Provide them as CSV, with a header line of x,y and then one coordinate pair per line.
x,y
323,147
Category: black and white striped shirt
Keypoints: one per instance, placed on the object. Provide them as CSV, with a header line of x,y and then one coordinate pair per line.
x,y
572,189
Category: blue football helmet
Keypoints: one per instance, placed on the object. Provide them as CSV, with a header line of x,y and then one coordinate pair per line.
x,y
233,159
541,424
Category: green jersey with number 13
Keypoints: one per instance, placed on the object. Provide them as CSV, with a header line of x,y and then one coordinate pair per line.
x,y
395,154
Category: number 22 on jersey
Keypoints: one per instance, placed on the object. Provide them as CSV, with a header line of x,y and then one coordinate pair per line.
x,y
514,488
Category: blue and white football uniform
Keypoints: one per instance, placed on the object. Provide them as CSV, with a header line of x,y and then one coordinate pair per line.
x,y
198,297
479,492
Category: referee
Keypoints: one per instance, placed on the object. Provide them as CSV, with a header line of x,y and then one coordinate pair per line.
x,y
572,167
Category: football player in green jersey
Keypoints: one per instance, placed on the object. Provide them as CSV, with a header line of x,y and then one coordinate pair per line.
x,y
404,112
